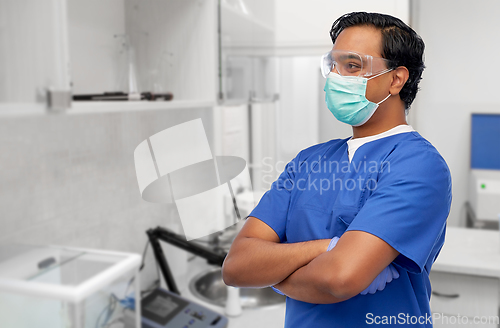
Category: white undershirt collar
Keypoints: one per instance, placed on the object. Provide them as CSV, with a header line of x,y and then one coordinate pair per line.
x,y
354,144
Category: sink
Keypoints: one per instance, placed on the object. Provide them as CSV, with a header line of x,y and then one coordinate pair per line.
x,y
209,287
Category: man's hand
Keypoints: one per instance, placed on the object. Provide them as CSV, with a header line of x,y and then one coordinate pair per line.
x,y
386,276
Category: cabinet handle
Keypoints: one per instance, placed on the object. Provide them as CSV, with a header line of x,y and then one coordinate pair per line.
x,y
446,295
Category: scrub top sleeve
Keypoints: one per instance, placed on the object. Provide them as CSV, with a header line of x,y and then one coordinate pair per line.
x,y
409,204
273,206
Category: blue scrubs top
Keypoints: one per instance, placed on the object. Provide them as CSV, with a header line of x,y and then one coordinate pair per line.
x,y
397,188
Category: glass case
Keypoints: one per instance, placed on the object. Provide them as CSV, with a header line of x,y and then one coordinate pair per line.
x,y
61,287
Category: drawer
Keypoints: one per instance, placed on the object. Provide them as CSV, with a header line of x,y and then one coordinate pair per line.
x,y
465,295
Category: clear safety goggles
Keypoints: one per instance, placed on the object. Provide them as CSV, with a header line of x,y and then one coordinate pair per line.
x,y
348,63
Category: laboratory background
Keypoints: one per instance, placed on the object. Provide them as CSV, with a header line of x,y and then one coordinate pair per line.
x,y
84,82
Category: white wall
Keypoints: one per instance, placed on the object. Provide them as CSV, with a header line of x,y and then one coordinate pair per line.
x,y
302,27
461,78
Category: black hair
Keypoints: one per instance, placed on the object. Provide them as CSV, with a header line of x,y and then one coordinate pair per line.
x,y
400,44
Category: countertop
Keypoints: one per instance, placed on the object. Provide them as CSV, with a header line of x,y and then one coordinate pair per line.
x,y
270,317
470,251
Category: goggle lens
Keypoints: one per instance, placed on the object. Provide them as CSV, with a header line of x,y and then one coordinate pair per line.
x,y
347,63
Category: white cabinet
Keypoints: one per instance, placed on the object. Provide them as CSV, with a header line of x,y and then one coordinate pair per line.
x,y
33,50
153,46
96,47
464,299
248,66
465,279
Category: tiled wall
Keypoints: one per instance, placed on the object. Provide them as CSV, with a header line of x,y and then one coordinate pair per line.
x,y
69,179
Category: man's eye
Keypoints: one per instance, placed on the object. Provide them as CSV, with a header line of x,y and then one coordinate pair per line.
x,y
353,66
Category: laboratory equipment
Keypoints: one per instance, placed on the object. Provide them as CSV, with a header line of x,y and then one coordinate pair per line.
x,y
52,286
163,309
215,257
168,309
484,194
484,179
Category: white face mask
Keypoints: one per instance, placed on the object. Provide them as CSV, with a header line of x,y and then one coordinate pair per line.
x,y
346,98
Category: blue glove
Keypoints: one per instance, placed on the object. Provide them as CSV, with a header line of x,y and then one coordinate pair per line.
x,y
277,290
333,243
386,276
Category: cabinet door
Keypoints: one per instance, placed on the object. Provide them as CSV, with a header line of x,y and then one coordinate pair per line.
x,y
246,50
464,297
33,50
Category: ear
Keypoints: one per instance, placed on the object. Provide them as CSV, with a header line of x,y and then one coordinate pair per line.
x,y
399,77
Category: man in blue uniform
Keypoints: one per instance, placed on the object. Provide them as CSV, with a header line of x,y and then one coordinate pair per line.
x,y
351,228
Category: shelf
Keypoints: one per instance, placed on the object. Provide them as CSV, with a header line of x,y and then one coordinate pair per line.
x,y
87,107
21,109
92,107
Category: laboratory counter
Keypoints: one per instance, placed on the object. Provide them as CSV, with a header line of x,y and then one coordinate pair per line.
x,y
465,279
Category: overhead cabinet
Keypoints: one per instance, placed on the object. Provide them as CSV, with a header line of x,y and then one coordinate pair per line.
x,y
96,47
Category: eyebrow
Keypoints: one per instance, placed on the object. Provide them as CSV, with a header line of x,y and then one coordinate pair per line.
x,y
348,56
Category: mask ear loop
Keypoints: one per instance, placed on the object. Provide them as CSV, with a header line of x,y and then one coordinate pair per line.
x,y
384,99
381,73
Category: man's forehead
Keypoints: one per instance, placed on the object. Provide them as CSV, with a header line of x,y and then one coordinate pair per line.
x,y
362,39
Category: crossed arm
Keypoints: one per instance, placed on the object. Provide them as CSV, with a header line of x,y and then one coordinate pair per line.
x,y
305,271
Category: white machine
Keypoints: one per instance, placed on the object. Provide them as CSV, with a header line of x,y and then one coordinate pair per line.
x,y
484,182
484,194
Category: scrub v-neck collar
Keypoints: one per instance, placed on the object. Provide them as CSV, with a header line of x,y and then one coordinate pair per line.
x,y
354,144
